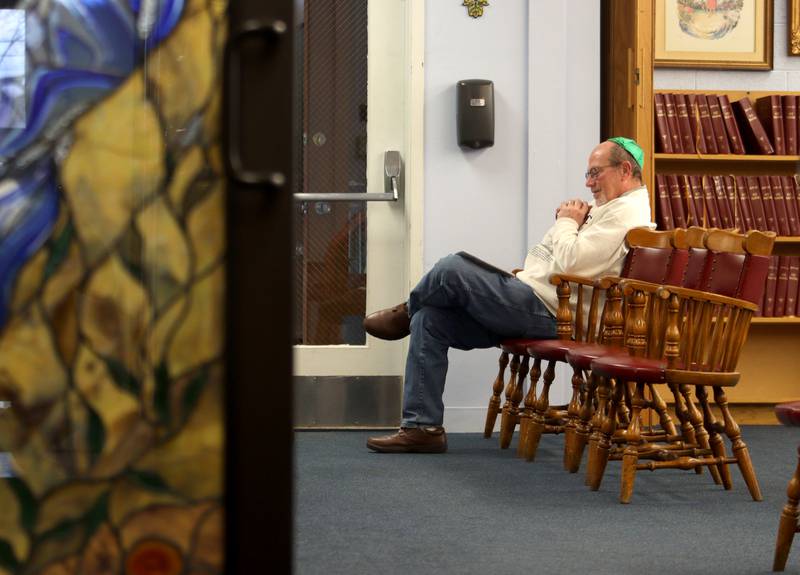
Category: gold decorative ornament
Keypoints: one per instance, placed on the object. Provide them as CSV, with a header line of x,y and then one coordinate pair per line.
x,y
475,7
795,44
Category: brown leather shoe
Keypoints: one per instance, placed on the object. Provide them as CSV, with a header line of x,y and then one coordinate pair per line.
x,y
390,323
430,439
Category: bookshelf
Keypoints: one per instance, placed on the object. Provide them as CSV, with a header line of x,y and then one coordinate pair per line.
x,y
770,363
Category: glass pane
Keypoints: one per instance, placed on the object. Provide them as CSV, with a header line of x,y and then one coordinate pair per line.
x,y
330,254
112,284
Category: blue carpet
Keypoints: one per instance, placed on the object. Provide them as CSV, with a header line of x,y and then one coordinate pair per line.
x,y
477,509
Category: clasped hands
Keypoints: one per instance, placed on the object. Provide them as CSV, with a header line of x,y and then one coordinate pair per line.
x,y
575,209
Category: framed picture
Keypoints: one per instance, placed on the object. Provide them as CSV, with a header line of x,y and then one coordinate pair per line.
x,y
794,27
725,34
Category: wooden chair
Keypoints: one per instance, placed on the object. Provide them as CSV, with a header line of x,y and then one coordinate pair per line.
x,y
687,267
684,337
788,414
586,297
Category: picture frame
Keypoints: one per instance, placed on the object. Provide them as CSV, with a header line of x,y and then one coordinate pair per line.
x,y
794,27
721,34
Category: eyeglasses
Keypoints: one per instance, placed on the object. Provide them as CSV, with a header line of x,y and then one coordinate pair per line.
x,y
593,173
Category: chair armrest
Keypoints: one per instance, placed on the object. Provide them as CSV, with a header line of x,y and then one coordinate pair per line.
x,y
602,283
686,293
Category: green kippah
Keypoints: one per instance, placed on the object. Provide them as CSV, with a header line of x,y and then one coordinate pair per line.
x,y
631,147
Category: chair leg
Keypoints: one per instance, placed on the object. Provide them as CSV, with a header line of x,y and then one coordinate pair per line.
x,y
537,422
508,415
572,457
700,433
739,447
633,438
658,405
494,401
583,426
788,525
600,443
530,403
682,413
712,427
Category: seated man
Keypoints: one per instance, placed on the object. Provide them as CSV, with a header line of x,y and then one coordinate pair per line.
x,y
461,304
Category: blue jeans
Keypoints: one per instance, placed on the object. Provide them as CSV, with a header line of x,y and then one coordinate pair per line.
x,y
462,305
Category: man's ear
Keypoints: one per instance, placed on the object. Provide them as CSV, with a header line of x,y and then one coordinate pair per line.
x,y
627,168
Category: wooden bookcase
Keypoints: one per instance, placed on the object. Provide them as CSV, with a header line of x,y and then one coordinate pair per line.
x,y
770,362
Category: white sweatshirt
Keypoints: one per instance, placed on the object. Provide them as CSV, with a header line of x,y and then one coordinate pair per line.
x,y
593,250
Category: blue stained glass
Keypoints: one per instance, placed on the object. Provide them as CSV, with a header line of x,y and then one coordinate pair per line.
x,y
90,47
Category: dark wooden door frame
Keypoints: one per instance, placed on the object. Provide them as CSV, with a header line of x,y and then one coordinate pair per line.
x,y
259,436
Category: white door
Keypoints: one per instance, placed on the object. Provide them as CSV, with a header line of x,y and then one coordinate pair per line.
x,y
361,80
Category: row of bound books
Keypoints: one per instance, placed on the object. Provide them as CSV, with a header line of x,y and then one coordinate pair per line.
x,y
713,124
781,295
765,203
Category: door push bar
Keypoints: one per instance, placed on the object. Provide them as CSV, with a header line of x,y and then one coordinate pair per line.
x,y
391,173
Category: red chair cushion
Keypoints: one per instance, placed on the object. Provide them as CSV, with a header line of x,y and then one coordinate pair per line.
x,y
581,355
628,368
788,413
550,349
516,346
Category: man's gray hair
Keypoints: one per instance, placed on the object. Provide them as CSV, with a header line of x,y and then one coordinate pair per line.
x,y
619,154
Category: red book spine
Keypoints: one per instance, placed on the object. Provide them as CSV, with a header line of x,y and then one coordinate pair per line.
x,y
693,218
782,287
756,205
663,140
781,214
755,137
720,132
694,123
687,139
769,204
731,127
672,123
705,123
710,202
699,201
664,216
675,203
793,286
790,198
770,112
744,202
722,202
733,205
769,287
789,104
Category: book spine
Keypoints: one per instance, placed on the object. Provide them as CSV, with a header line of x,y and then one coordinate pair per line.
x,y
778,139
705,123
663,140
781,214
756,205
769,205
789,103
672,123
769,287
710,202
733,205
722,202
782,286
693,218
744,202
793,286
720,133
789,197
752,126
694,123
675,203
664,216
682,108
731,127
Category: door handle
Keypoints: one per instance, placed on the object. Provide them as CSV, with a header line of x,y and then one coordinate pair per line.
x,y
392,167
271,32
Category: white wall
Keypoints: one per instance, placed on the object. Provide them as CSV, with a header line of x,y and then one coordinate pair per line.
x,y
785,73
496,201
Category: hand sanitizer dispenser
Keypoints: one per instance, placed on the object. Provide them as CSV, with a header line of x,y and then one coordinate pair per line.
x,y
475,116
